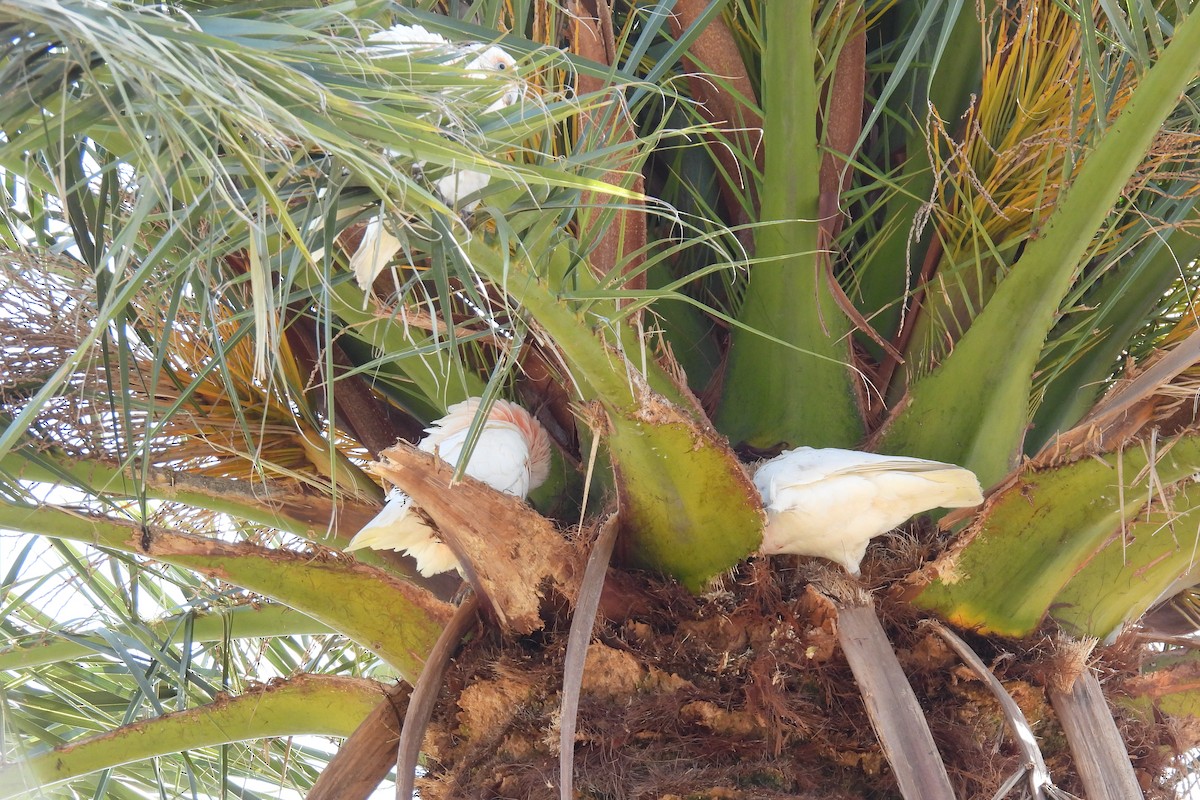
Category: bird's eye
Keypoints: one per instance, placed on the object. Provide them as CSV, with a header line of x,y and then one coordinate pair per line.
x,y
500,65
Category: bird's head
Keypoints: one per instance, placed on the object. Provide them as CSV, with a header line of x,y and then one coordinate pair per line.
x,y
493,59
492,62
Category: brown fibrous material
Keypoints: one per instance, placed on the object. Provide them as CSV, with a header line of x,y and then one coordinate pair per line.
x,y
741,693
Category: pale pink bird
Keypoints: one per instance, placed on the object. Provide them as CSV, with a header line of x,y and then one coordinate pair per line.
x,y
831,503
511,455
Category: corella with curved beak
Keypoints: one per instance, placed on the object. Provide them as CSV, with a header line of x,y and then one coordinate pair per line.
x,y
831,503
511,455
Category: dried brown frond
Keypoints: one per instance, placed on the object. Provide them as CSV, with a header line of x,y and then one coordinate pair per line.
x,y
1156,399
1033,117
510,553
199,409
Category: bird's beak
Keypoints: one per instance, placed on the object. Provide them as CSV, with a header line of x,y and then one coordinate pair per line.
x,y
511,95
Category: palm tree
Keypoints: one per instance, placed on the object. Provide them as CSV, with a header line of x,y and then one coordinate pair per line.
x,y
709,231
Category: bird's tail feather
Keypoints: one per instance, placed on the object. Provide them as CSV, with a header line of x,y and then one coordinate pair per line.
x,y
960,488
396,527
433,557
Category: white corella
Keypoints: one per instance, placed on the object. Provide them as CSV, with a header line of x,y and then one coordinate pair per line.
x,y
830,503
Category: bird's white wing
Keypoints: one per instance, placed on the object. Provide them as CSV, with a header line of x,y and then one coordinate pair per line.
x,y
802,465
398,528
811,464
401,39
433,557
459,184
377,248
831,503
946,486
501,460
393,528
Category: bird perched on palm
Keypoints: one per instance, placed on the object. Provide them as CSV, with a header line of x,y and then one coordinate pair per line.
x,y
831,503
487,61
511,455
482,63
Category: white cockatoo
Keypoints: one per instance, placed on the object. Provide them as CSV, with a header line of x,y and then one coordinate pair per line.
x,y
511,455
486,61
378,245
831,503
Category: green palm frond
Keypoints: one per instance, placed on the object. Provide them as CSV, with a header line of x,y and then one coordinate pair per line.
x,y
128,670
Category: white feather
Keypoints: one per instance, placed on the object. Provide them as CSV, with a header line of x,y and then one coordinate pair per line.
x,y
831,503
433,557
501,458
511,455
486,61
396,527
404,39
462,183
377,248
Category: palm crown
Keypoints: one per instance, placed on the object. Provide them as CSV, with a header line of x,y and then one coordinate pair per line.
x,y
701,233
